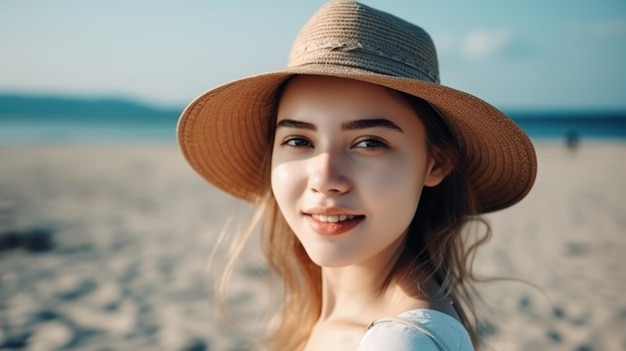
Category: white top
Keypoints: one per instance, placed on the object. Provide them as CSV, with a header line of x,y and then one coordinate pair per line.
x,y
417,330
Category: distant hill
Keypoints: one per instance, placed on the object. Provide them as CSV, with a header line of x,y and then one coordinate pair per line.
x,y
46,111
14,105
37,107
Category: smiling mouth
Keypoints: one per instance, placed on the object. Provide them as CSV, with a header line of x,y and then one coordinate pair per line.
x,y
333,219
333,224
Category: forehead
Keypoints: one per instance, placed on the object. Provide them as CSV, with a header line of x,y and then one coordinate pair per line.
x,y
321,96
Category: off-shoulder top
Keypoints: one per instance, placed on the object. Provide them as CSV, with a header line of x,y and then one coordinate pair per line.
x,y
417,330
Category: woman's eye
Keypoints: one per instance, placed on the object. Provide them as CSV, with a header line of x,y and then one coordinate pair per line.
x,y
371,144
296,142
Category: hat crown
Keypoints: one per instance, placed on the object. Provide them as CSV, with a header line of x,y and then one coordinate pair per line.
x,y
353,35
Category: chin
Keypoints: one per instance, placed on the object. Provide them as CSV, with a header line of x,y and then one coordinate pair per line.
x,y
326,259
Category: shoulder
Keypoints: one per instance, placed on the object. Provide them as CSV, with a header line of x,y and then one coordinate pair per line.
x,y
423,330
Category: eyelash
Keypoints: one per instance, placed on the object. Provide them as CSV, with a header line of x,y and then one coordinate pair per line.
x,y
379,143
288,141
304,142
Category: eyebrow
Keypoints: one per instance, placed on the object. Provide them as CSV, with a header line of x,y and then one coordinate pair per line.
x,y
350,125
290,123
371,123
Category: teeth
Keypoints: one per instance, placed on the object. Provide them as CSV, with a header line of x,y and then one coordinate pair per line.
x,y
331,219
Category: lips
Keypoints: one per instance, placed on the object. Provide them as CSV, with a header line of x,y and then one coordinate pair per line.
x,y
333,224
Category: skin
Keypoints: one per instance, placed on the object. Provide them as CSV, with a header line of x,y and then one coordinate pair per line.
x,y
350,150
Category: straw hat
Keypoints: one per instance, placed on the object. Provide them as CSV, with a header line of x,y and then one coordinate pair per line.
x,y
223,133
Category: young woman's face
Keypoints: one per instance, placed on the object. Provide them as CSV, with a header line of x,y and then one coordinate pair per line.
x,y
349,162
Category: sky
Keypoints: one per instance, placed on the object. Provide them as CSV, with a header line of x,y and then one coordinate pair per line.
x,y
532,54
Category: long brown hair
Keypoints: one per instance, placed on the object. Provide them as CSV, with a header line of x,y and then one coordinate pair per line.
x,y
435,248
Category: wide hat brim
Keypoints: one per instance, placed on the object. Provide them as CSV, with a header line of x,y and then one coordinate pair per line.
x,y
223,134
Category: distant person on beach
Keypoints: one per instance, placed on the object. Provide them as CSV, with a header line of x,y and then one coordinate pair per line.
x,y
365,171
572,140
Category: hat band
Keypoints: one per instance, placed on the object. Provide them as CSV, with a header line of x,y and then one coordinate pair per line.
x,y
364,56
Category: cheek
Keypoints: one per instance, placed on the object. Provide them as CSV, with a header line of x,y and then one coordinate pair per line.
x,y
398,200
400,180
285,182
286,187
279,178
395,191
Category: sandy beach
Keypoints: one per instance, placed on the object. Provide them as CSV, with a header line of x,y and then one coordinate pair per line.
x,y
107,247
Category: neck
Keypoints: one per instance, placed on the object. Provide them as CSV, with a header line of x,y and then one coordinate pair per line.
x,y
364,292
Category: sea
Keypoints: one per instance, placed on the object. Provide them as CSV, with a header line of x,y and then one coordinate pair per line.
x,y
27,120
15,131
570,125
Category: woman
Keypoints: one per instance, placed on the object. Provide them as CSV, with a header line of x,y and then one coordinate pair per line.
x,y
365,171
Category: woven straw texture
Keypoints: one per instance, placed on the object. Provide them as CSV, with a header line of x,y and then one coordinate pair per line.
x,y
224,132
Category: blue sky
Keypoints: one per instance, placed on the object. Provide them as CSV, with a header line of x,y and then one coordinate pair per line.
x,y
558,54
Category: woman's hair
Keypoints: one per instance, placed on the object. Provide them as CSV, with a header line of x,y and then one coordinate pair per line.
x,y
437,246
435,249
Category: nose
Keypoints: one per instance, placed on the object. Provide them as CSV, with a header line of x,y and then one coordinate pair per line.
x,y
327,176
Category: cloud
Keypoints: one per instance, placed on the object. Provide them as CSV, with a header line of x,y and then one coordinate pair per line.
x,y
484,44
480,44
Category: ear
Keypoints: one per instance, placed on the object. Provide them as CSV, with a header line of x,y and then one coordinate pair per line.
x,y
437,171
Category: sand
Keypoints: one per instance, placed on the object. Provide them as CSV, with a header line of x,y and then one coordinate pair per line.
x,y
108,248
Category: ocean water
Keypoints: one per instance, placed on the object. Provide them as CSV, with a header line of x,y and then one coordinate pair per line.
x,y
62,120
58,130
70,131
581,125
